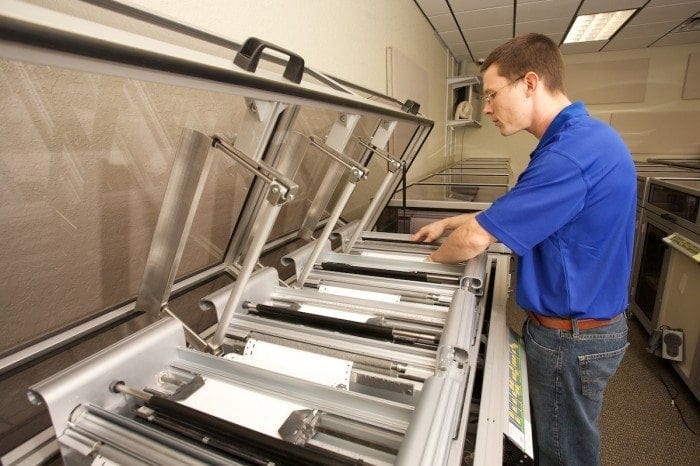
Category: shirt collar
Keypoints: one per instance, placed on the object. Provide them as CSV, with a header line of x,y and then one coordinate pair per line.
x,y
574,110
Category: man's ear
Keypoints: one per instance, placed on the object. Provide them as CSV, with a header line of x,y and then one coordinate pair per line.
x,y
532,81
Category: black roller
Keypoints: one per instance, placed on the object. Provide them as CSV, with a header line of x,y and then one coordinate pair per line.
x,y
355,269
259,445
329,323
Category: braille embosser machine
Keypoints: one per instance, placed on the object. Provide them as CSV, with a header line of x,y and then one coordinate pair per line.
x,y
333,343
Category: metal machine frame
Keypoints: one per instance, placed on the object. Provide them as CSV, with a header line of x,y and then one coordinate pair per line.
x,y
415,412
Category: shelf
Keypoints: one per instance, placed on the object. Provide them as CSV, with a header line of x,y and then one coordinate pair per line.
x,y
460,89
460,123
459,81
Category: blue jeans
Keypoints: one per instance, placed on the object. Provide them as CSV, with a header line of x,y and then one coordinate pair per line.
x,y
567,375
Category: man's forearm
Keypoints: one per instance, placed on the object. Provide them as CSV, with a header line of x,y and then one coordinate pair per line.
x,y
452,223
468,240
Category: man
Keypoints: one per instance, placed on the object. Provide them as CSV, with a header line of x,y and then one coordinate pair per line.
x,y
570,221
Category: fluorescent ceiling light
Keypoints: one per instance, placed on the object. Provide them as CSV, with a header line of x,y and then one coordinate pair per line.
x,y
598,26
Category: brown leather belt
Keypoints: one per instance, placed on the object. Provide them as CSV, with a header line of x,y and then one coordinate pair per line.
x,y
565,324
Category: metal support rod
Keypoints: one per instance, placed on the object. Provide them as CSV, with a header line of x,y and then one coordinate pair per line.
x,y
337,138
393,164
407,158
403,188
268,217
194,338
241,158
258,168
374,204
121,387
358,170
327,230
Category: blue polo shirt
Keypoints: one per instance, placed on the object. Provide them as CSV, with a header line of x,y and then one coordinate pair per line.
x,y
570,219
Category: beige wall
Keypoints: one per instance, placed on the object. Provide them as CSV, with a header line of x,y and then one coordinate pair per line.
x,y
344,38
654,119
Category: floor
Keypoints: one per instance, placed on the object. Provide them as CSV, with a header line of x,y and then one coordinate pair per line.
x,y
649,415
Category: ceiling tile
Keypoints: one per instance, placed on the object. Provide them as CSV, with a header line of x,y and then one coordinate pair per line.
x,y
503,33
487,17
630,43
669,2
678,12
582,47
481,53
645,30
550,26
556,37
486,44
458,48
451,37
548,9
601,6
443,23
433,7
472,5
486,24
678,38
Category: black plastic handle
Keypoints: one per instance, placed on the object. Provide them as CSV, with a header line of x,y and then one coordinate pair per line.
x,y
411,106
249,55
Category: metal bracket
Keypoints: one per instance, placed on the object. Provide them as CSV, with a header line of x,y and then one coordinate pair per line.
x,y
185,185
191,336
356,171
300,426
393,165
473,279
282,189
337,139
258,125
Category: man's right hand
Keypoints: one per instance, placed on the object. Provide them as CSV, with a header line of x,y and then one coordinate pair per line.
x,y
429,233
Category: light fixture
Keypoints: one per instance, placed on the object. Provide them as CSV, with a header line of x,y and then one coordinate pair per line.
x,y
598,26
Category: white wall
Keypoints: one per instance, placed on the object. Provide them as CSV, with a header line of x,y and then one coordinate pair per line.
x,y
344,38
663,89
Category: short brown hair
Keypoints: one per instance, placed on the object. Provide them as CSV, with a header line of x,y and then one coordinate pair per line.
x,y
529,52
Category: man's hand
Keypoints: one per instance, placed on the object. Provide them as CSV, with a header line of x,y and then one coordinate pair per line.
x,y
429,233
467,240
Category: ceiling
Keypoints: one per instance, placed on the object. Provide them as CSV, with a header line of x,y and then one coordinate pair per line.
x,y
472,28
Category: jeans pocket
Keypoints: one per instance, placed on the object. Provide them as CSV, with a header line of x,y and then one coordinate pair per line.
x,y
596,369
543,338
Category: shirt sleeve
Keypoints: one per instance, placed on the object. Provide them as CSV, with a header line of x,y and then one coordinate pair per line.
x,y
549,193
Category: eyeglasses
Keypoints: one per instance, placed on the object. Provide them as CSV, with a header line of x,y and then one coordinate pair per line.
x,y
491,95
